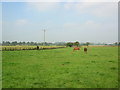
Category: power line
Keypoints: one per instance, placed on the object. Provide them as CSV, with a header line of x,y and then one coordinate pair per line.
x,y
44,36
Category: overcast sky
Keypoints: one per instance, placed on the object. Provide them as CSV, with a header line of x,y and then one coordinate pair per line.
x,y
63,21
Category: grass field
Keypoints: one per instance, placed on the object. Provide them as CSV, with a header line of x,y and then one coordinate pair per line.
x,y
61,68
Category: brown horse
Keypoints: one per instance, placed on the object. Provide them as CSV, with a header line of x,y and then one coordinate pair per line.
x,y
76,48
85,50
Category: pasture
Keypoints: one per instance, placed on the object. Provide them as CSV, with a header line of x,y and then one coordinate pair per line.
x,y
61,68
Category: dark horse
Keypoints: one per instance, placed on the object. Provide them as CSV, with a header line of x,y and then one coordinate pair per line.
x,y
37,47
85,50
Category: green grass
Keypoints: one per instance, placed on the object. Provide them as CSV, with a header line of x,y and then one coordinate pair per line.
x,y
61,68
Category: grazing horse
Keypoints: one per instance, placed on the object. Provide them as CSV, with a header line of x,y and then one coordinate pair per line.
x,y
85,50
76,48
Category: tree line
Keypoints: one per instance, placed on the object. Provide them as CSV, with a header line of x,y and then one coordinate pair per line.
x,y
14,43
69,44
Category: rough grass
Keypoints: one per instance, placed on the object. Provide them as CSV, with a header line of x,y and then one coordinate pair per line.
x,y
61,68
18,47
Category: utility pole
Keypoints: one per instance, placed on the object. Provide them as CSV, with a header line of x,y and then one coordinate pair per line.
x,y
44,36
